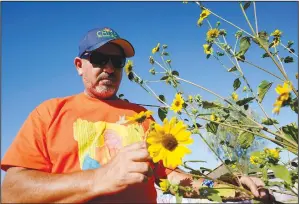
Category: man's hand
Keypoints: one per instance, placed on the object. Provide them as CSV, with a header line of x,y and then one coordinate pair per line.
x,y
130,166
256,186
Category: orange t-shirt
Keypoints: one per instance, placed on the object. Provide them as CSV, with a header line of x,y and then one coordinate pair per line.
x,y
76,133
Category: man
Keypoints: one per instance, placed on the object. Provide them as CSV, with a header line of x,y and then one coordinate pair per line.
x,y
79,149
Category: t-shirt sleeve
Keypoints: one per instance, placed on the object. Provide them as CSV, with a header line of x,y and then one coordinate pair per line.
x,y
29,148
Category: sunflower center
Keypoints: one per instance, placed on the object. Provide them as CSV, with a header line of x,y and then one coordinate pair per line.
x,y
177,103
169,142
141,119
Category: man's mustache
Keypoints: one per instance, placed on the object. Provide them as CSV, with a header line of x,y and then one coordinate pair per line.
x,y
107,76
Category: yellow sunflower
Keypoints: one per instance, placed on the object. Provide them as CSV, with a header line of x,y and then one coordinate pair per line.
x,y
277,105
156,49
177,103
207,50
205,13
140,117
272,153
283,91
235,96
129,67
214,118
167,142
190,99
276,42
213,33
164,185
277,33
255,160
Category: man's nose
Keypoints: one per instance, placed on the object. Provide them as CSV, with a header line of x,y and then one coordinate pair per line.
x,y
109,68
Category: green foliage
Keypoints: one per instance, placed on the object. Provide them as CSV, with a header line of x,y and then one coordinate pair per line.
x,y
162,113
208,105
234,68
245,139
246,5
212,127
263,88
237,84
269,121
288,59
244,101
281,172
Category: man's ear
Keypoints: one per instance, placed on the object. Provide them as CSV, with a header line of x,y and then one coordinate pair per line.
x,y
78,64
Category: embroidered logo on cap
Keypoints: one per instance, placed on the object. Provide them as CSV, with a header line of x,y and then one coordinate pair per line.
x,y
107,33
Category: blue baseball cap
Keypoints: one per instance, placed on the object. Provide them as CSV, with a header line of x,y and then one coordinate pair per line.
x,y
98,37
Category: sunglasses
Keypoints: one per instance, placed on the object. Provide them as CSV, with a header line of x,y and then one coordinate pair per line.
x,y
101,59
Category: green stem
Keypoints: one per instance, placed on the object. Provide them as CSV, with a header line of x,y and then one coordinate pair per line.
x,y
261,126
253,94
226,21
289,50
278,66
261,135
255,18
252,30
263,69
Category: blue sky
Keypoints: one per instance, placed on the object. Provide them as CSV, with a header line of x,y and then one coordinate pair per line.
x,y
40,41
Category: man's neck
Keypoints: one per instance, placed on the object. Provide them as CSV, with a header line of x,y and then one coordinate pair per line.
x,y
114,97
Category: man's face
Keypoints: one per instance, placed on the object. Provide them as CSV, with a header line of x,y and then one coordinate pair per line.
x,y
101,81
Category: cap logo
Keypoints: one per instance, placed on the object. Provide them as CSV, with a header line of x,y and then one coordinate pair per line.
x,y
107,33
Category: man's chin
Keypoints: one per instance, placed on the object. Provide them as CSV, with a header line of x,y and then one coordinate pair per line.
x,y
106,93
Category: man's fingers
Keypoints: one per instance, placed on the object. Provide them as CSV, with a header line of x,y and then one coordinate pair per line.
x,y
134,178
139,155
263,192
139,167
135,146
250,184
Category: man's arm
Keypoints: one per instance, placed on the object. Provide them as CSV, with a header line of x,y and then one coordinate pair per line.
x,y
26,185
129,166
180,177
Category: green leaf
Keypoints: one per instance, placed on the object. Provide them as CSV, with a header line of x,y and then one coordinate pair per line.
x,y
290,43
214,197
265,55
263,38
288,59
176,73
162,98
244,101
207,105
281,172
245,139
246,106
208,56
246,5
220,53
178,198
291,131
234,68
162,112
237,84
244,44
294,105
120,95
263,89
269,121
164,77
212,127
165,53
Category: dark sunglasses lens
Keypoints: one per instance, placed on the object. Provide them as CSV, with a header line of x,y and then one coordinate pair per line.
x,y
118,61
99,59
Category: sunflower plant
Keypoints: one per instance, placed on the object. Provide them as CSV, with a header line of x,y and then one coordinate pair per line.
x,y
188,115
